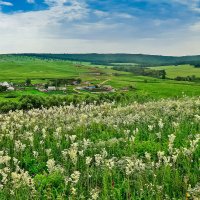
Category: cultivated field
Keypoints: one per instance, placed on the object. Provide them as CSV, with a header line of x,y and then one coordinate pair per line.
x,y
180,70
107,151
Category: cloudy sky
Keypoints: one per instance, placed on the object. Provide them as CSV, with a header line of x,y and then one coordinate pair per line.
x,y
167,27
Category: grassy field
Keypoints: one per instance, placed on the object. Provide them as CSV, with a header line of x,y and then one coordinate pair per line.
x,y
140,151
181,70
124,149
18,69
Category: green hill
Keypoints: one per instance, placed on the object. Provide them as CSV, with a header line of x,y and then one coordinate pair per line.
x,y
122,58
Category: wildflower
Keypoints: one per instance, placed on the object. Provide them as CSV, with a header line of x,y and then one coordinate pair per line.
x,y
135,131
88,160
19,146
171,142
35,154
175,124
160,154
159,135
51,165
81,153
132,139
75,177
73,191
148,156
161,124
150,127
95,193
127,132
48,152
98,159
36,128
72,138
171,138
110,163
72,152
86,143
104,153
22,179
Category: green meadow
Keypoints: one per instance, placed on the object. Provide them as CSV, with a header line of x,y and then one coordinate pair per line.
x,y
180,70
17,69
20,68
138,142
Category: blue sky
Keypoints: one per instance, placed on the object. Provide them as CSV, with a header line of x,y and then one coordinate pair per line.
x,y
167,27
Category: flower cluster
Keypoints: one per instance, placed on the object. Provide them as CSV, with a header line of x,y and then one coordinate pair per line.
x,y
107,151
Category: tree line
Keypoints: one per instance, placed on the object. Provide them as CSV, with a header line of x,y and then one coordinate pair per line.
x,y
142,71
109,59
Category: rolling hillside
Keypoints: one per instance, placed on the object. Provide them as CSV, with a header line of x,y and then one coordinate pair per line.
x,y
122,58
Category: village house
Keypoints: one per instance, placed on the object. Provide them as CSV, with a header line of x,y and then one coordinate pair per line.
x,y
42,90
86,83
108,87
5,84
74,83
51,88
10,88
62,88
79,88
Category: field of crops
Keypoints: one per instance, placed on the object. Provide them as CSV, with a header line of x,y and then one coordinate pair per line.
x,y
137,151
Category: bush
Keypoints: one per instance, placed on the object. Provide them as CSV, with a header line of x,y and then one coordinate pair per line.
x,y
30,101
3,88
27,102
8,106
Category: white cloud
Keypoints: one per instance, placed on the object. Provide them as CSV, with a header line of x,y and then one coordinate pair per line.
x,y
193,5
5,3
37,24
195,27
100,13
71,26
31,1
125,16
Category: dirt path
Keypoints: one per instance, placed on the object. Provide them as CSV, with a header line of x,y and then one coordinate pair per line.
x,y
104,82
77,91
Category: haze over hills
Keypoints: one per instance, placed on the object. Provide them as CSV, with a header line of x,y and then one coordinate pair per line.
x,y
121,58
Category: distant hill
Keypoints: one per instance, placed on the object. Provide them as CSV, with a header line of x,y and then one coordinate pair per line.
x,y
107,59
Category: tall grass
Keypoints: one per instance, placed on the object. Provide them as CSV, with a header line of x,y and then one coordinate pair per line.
x,y
106,151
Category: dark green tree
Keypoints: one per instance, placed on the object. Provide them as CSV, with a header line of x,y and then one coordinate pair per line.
x,y
3,88
28,82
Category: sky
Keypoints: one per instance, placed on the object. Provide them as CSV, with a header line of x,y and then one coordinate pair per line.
x,y
159,27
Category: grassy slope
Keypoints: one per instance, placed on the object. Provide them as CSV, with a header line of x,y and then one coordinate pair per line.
x,y
20,68
182,70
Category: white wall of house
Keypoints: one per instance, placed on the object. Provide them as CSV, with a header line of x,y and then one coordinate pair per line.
x,y
10,88
52,88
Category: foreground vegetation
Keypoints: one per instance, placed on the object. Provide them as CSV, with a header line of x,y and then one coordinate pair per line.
x,y
107,151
